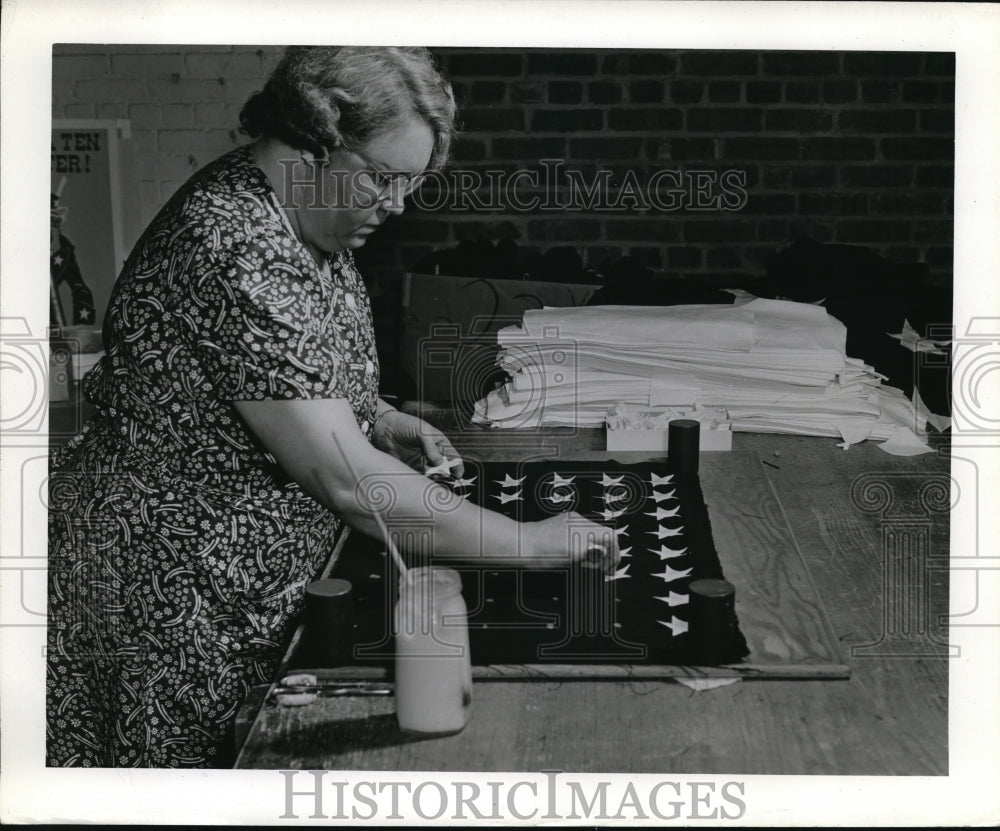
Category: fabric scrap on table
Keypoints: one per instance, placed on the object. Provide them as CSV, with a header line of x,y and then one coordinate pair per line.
x,y
904,442
852,434
912,341
705,684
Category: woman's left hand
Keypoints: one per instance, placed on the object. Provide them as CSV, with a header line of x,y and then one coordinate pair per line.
x,y
414,442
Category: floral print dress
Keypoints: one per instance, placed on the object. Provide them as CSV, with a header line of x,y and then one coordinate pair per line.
x,y
178,549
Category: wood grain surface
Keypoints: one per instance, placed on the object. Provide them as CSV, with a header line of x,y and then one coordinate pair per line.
x,y
814,500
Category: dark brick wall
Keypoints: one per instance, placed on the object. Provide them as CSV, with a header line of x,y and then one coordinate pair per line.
x,y
844,147
840,146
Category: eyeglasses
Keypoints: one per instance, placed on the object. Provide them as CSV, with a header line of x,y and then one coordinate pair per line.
x,y
384,182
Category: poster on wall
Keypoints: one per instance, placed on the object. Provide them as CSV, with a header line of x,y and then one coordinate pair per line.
x,y
86,243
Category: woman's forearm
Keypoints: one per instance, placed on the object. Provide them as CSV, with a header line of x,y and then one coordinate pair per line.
x,y
384,496
318,444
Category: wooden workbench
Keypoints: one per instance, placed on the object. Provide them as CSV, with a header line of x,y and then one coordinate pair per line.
x,y
872,530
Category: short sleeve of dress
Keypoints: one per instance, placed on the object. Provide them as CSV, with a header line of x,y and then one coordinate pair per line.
x,y
264,325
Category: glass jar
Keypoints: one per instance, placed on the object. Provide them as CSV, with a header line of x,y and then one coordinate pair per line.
x,y
433,666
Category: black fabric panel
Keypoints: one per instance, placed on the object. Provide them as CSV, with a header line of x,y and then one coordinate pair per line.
x,y
563,615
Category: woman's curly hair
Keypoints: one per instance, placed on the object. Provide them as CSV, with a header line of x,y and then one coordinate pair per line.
x,y
320,98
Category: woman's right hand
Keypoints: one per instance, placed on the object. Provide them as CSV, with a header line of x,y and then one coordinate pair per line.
x,y
568,538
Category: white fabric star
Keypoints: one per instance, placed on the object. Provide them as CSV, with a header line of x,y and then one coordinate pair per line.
x,y
443,469
507,497
671,574
662,532
509,481
614,496
675,625
559,498
674,599
663,513
659,497
666,553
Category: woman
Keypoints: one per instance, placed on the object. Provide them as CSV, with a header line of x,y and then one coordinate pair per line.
x,y
238,420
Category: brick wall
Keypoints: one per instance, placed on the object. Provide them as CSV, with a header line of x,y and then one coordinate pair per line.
x,y
843,147
183,104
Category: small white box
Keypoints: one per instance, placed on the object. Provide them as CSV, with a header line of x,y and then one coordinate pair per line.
x,y
720,438
638,427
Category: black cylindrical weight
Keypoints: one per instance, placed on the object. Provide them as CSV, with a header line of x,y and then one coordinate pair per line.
x,y
330,621
713,619
683,436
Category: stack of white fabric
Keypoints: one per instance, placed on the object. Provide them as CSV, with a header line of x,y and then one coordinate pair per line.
x,y
770,365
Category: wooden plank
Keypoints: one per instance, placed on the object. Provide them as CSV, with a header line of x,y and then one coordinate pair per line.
x,y
570,672
605,672
889,718
782,727
779,609
903,696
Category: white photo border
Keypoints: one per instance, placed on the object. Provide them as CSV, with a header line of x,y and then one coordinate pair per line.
x,y
29,792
